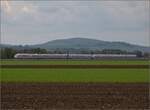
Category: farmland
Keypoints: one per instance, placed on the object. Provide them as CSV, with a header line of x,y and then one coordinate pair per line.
x,y
58,96
75,88
75,75
81,62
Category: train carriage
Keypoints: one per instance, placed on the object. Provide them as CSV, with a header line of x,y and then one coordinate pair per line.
x,y
72,56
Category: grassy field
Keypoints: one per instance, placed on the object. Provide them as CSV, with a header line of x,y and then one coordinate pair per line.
x,y
75,75
36,62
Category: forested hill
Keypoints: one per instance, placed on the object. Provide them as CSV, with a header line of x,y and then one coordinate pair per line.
x,y
91,44
84,44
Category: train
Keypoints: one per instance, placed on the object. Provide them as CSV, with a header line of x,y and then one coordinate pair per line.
x,y
71,56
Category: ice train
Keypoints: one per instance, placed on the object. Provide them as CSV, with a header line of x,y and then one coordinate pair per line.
x,y
71,56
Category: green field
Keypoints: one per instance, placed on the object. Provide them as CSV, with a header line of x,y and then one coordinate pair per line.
x,y
75,75
36,62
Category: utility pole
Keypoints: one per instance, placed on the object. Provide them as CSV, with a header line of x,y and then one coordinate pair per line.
x,y
67,54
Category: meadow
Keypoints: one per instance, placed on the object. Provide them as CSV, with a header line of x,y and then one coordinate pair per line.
x,y
74,75
101,61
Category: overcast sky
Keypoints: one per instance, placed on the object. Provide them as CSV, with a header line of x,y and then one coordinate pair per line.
x,y
28,22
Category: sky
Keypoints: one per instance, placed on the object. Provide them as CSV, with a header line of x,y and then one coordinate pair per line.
x,y
36,22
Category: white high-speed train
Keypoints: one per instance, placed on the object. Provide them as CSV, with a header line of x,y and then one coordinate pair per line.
x,y
71,56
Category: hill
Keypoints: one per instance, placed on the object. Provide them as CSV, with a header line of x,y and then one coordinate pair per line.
x,y
91,44
83,43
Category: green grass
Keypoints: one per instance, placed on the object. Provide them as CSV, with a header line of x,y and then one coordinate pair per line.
x,y
75,75
19,62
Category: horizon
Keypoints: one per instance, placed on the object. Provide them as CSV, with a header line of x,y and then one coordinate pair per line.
x,y
69,39
37,22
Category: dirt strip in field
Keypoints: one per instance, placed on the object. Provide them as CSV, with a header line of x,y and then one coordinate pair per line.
x,y
76,66
75,96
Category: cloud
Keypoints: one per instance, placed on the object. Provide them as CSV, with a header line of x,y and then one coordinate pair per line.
x,y
27,21
6,6
16,8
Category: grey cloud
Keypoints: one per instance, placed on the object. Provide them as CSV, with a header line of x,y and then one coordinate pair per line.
x,y
51,20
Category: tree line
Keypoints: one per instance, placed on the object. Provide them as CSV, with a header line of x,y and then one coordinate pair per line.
x,y
8,53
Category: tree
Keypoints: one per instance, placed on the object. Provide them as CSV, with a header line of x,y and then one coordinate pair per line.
x,y
7,53
39,50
